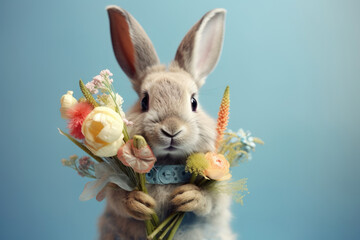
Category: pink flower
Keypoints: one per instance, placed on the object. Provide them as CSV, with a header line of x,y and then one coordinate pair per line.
x,y
141,160
128,123
98,81
77,115
85,163
91,87
106,72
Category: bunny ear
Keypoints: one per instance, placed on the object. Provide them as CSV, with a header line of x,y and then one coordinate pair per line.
x,y
200,49
132,47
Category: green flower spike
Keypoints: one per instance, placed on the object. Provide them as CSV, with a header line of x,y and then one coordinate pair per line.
x,y
87,94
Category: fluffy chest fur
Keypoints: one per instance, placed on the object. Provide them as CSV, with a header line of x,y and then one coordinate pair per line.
x,y
213,223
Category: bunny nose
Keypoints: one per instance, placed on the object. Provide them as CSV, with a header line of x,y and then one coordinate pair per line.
x,y
170,135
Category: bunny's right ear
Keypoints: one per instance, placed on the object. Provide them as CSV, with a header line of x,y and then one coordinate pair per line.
x,y
132,47
200,49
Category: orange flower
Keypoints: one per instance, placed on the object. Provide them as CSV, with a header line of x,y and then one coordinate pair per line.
x,y
223,117
218,167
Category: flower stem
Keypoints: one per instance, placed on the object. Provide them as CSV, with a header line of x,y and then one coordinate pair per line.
x,y
177,224
193,178
155,219
161,226
142,187
110,90
209,183
204,180
169,227
127,170
148,226
126,134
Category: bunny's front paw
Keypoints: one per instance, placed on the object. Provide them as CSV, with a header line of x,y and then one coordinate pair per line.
x,y
188,198
140,205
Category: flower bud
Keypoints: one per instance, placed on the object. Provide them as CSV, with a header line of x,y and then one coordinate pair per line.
x,y
67,101
139,142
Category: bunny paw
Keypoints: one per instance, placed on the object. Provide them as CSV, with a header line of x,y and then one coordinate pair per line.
x,y
187,198
140,205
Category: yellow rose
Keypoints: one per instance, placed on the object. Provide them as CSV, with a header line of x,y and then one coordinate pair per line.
x,y
102,129
218,168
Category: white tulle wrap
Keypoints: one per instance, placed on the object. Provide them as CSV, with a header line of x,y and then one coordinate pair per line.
x,y
105,173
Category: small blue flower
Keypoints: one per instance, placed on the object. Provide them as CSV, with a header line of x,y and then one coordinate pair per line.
x,y
246,139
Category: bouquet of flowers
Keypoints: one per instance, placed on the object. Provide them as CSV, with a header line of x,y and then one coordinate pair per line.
x,y
98,125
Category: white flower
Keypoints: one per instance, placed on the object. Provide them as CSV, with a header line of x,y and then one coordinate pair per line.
x,y
106,100
102,129
67,101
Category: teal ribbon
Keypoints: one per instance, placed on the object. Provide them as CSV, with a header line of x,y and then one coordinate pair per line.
x,y
167,174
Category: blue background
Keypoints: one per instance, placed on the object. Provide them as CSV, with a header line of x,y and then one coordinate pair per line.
x,y
293,68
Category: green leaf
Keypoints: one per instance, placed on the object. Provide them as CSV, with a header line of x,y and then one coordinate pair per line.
x,y
80,145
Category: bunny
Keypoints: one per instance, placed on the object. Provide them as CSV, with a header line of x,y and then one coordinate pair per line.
x,y
168,115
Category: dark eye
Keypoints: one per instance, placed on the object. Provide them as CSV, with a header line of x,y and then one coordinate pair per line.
x,y
145,103
193,104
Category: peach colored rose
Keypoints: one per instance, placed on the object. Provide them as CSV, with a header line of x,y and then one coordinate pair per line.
x,y
102,129
218,167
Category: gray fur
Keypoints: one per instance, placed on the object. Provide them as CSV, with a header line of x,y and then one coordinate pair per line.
x,y
170,91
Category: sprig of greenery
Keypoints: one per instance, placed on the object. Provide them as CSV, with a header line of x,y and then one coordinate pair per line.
x,y
87,94
81,146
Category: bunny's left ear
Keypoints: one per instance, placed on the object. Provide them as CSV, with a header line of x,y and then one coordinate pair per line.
x,y
200,49
132,46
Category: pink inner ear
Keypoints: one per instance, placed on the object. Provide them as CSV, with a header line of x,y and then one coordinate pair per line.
x,y
122,44
207,43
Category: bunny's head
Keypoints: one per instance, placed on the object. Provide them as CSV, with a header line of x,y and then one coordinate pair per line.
x,y
167,113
